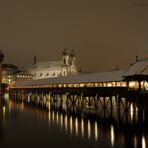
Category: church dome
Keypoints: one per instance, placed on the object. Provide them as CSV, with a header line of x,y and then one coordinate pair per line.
x,y
65,52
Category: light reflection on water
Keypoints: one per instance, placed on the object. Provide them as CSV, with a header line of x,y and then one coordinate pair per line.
x,y
131,111
82,127
89,129
71,124
143,142
112,135
92,129
135,142
76,125
96,130
61,120
65,122
4,115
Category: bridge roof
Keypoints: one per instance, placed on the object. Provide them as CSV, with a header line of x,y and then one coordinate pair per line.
x,y
138,68
109,76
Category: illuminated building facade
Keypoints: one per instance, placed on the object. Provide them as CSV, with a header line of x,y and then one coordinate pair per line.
x,y
11,74
66,67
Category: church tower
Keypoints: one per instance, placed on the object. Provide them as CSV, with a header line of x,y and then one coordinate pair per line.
x,y
65,62
68,62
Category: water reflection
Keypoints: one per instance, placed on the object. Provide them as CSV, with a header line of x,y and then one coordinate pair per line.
x,y
57,118
61,120
128,128
65,122
49,117
89,129
76,125
4,115
82,127
96,130
143,142
4,111
71,124
112,135
135,142
131,111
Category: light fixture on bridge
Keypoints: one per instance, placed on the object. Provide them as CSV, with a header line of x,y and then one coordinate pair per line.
x,y
133,84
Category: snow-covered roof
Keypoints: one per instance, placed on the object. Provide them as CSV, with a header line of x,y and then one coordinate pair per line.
x,y
109,76
47,65
138,68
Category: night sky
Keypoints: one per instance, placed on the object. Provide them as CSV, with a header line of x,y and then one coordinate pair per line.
x,y
104,33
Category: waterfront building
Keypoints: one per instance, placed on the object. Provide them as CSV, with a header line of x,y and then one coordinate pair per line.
x,y
11,74
50,69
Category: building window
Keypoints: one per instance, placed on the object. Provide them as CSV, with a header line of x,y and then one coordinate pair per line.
x,y
47,74
64,61
41,74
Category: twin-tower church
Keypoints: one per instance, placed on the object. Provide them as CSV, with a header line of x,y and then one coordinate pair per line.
x,y
65,67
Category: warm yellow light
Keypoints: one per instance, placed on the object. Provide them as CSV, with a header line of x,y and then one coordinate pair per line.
x,y
143,142
96,131
81,85
133,84
109,84
112,135
89,129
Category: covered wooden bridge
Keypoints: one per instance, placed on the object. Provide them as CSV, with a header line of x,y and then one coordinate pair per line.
x,y
129,83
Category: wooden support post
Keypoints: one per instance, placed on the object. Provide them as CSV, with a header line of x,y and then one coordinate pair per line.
x,y
140,87
119,113
96,102
89,101
111,103
104,103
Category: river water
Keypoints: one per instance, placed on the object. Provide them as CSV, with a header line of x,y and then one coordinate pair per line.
x,y
31,127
